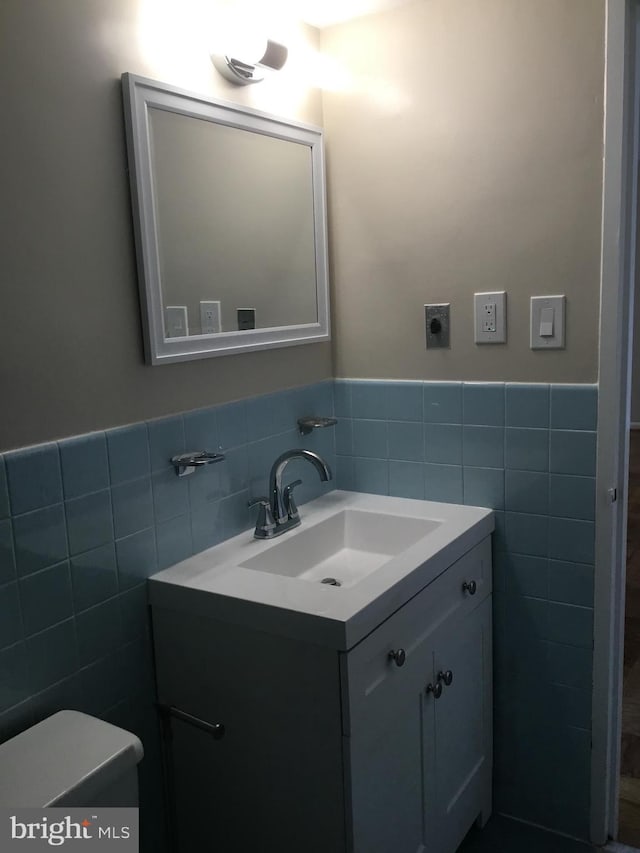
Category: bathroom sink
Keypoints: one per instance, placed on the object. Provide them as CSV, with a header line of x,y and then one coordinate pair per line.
x,y
373,552
344,548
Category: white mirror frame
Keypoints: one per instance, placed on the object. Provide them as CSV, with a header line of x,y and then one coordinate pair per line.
x,y
141,94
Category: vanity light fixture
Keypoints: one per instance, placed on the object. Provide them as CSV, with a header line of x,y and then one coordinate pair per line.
x,y
242,72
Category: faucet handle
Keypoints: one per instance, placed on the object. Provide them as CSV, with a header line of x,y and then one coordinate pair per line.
x,y
265,525
289,500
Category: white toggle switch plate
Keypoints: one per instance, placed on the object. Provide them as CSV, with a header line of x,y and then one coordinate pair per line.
x,y
547,322
490,317
177,321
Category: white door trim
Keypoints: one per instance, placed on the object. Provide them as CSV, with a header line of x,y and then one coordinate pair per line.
x,y
616,313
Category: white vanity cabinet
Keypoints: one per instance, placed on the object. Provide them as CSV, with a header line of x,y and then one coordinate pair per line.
x,y
419,749
328,750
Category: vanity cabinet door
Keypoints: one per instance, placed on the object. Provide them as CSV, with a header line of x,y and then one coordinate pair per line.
x,y
420,771
459,756
371,680
387,780
417,750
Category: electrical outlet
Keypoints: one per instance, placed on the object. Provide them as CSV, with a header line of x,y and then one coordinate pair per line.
x,y
210,323
490,317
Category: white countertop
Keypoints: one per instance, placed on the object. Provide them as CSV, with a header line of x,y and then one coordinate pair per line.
x,y
214,584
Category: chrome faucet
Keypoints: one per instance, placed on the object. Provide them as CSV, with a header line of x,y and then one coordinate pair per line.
x,y
279,512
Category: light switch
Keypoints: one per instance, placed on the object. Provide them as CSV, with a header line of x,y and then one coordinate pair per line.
x,y
176,321
547,322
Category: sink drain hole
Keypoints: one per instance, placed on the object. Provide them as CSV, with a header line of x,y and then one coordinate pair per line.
x,y
331,581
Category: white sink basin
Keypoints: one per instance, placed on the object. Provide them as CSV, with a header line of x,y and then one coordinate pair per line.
x,y
342,549
382,550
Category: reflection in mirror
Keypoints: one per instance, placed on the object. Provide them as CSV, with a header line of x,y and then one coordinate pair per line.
x,y
235,224
230,225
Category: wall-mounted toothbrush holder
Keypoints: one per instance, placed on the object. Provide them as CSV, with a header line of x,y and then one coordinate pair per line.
x,y
311,422
186,463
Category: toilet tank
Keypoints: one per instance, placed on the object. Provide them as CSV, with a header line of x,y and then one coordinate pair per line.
x,y
71,760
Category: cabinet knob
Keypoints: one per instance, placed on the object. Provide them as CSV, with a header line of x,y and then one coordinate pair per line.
x,y
470,587
436,689
399,656
446,677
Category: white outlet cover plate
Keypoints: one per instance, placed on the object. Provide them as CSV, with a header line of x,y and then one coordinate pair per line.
x,y
480,300
557,305
210,317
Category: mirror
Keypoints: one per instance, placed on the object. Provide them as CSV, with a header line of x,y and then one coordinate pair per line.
x,y
230,224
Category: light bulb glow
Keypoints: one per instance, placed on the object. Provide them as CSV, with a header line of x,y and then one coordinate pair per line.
x,y
238,35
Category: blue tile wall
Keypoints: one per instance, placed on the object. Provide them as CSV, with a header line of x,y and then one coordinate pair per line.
x,y
85,465
34,478
527,451
4,494
85,521
527,406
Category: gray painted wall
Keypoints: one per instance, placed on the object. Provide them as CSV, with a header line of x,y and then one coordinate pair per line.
x,y
465,156
71,345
